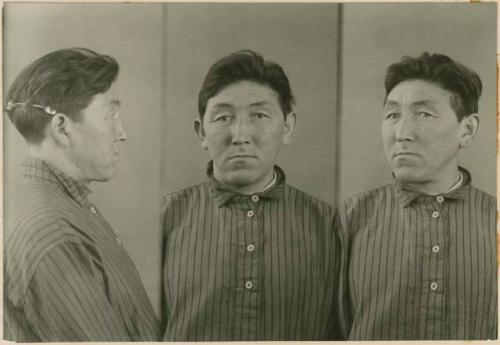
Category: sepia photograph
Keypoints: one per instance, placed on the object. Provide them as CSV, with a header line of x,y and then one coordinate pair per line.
x,y
249,171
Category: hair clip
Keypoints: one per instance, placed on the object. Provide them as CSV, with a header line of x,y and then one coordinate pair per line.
x,y
11,105
46,109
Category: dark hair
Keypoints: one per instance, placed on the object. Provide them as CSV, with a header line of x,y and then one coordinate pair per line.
x,y
65,80
245,65
464,84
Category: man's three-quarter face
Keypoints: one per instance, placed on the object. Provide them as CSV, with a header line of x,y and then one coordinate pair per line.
x,y
243,129
97,136
420,131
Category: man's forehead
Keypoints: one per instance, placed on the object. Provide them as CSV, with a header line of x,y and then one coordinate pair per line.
x,y
106,100
112,96
244,93
414,102
222,104
416,92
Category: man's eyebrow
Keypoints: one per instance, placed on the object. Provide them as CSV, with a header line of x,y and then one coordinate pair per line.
x,y
428,103
391,104
424,102
260,103
218,106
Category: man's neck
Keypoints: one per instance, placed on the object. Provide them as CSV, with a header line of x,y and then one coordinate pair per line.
x,y
263,185
57,159
439,186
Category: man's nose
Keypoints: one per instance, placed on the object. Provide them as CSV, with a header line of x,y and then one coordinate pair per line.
x,y
241,131
120,130
405,129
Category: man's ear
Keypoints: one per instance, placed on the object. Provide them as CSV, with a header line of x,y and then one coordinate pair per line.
x,y
200,132
470,127
289,129
59,129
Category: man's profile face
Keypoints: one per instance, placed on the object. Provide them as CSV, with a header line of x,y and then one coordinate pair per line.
x,y
243,129
96,138
420,131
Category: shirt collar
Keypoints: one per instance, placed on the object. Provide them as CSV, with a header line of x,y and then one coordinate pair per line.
x,y
407,197
41,170
222,195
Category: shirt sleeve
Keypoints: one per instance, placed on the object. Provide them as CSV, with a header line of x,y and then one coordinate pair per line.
x,y
67,299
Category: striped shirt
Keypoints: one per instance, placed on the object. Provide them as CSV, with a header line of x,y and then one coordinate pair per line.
x,y
420,266
248,267
66,275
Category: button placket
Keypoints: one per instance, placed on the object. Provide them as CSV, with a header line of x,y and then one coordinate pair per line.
x,y
433,246
248,264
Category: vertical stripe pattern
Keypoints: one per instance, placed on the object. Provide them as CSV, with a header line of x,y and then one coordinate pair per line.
x,y
419,266
66,275
248,267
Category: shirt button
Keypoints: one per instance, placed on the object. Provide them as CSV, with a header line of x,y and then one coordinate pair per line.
x,y
250,248
93,210
250,214
440,198
434,286
435,214
435,249
255,198
248,285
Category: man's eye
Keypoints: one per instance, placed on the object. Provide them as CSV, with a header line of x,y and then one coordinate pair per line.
x,y
391,115
424,114
260,115
222,118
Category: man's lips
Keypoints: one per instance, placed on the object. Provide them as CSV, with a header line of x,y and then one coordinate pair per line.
x,y
241,156
404,154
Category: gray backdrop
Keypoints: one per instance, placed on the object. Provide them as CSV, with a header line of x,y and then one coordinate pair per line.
x,y
335,56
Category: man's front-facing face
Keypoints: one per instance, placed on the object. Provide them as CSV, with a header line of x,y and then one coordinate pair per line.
x,y
95,141
421,132
243,129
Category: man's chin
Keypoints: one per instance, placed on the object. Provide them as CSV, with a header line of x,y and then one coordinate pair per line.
x,y
407,174
104,176
241,180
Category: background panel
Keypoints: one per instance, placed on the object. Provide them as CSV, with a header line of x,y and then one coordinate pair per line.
x,y
132,35
376,35
301,38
